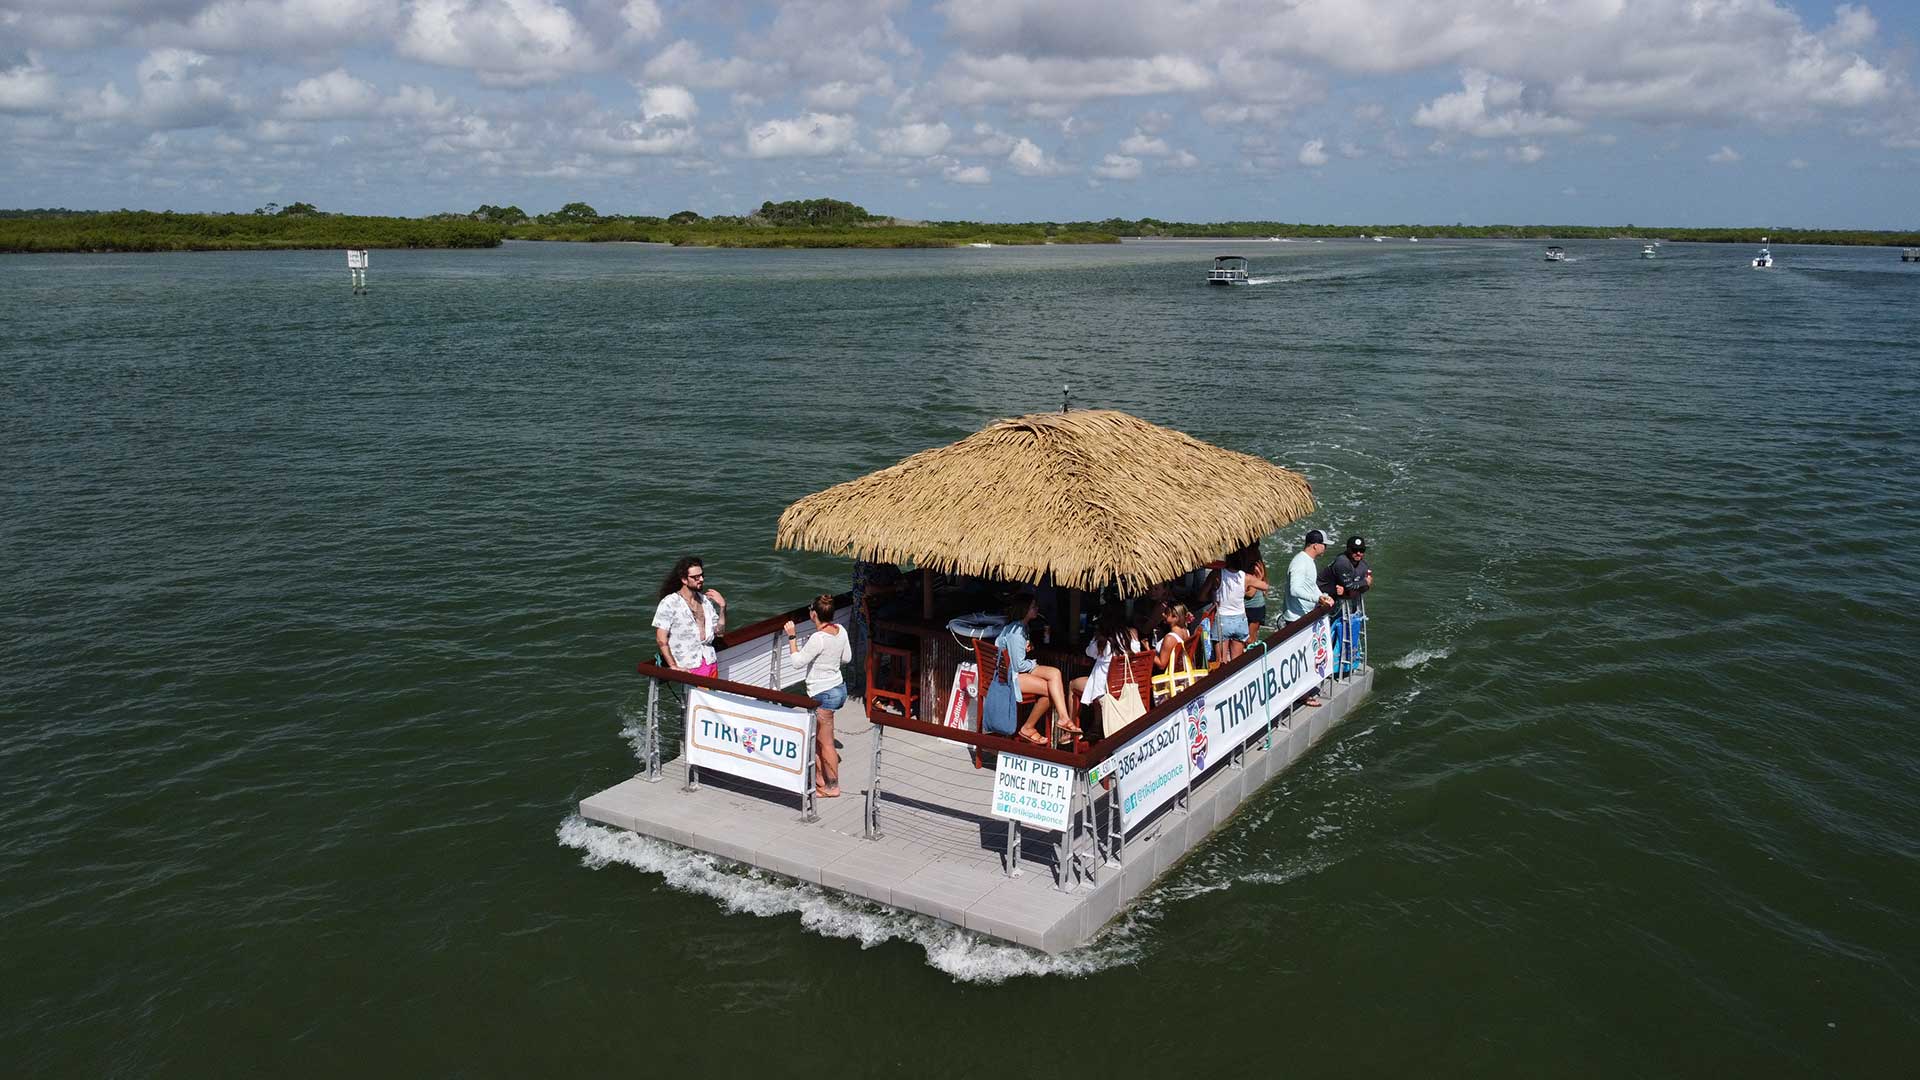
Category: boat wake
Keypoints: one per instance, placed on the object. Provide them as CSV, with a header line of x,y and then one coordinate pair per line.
x,y
1421,657
743,890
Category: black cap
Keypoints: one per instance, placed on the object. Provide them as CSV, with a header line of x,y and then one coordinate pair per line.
x,y
1356,544
1314,536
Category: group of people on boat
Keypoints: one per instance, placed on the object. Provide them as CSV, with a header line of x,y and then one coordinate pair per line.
x,y
1164,621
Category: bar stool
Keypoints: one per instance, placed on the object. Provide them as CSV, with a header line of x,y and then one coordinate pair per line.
x,y
907,695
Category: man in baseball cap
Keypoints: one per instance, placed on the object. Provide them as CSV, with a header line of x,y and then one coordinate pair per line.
x,y
1303,584
1346,579
1348,576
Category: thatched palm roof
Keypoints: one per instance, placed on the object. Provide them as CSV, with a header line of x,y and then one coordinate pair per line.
x,y
1093,498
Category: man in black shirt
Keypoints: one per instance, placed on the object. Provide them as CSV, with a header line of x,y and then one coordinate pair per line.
x,y
1346,579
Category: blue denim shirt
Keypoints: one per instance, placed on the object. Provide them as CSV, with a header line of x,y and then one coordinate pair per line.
x,y
1013,638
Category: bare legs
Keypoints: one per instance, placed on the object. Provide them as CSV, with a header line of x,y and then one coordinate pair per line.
x,y
1045,681
826,766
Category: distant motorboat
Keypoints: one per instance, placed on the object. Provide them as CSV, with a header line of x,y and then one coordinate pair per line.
x,y
1647,252
1555,254
1764,260
1413,239
980,243
1229,270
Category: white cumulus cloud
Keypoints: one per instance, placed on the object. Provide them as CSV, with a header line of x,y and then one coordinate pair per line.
x,y
1490,107
667,102
809,135
968,174
684,62
970,79
1027,159
176,88
914,140
28,87
504,42
1314,153
1141,144
335,95
1118,167
1726,155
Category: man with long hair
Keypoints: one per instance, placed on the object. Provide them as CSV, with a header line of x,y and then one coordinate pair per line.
x,y
688,618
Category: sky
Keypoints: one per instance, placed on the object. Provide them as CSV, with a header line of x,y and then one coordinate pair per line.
x,y
1654,112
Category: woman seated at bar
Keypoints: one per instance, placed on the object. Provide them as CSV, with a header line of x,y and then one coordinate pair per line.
x,y
821,658
1173,623
1035,678
1112,636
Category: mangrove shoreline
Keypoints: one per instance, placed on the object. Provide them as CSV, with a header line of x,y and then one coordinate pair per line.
x,y
56,231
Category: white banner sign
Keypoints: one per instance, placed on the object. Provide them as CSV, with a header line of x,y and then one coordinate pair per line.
x,y
750,738
1155,766
1036,792
1150,770
1228,713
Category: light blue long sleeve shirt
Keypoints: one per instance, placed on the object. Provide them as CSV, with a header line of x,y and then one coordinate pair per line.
x,y
1303,586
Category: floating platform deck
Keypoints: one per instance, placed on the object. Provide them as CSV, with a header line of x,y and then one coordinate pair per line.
x,y
940,853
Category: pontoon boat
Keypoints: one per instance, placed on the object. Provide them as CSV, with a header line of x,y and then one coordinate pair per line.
x,y
1228,270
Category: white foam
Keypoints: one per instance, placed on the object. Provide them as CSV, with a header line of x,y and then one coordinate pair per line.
x,y
1418,657
965,956
1307,865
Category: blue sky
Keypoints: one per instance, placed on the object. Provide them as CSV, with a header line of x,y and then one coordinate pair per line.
x,y
1708,112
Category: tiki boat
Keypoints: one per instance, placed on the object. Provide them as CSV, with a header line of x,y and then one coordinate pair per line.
x,y
1042,844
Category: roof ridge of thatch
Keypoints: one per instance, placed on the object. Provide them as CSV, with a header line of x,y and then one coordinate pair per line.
x,y
1093,497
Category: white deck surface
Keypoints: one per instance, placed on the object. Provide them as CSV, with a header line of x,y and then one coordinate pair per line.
x,y
940,852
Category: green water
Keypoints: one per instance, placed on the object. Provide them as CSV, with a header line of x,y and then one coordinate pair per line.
x,y
318,616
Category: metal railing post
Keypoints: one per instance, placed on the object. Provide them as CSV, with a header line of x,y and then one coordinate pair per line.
x,y
1116,830
871,824
650,741
1084,817
809,789
1013,848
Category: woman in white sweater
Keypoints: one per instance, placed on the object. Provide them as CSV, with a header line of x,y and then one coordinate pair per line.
x,y
821,658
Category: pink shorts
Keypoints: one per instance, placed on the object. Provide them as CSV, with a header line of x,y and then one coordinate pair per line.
x,y
709,669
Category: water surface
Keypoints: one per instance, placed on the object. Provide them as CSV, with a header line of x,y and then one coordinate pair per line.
x,y
318,615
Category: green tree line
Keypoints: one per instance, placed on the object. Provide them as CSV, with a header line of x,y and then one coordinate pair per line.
x,y
143,230
796,223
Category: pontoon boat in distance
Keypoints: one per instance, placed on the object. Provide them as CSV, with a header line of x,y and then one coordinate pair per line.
x,y
1555,254
1228,270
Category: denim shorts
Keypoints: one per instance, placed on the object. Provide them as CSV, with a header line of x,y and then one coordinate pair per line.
x,y
1230,627
831,698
